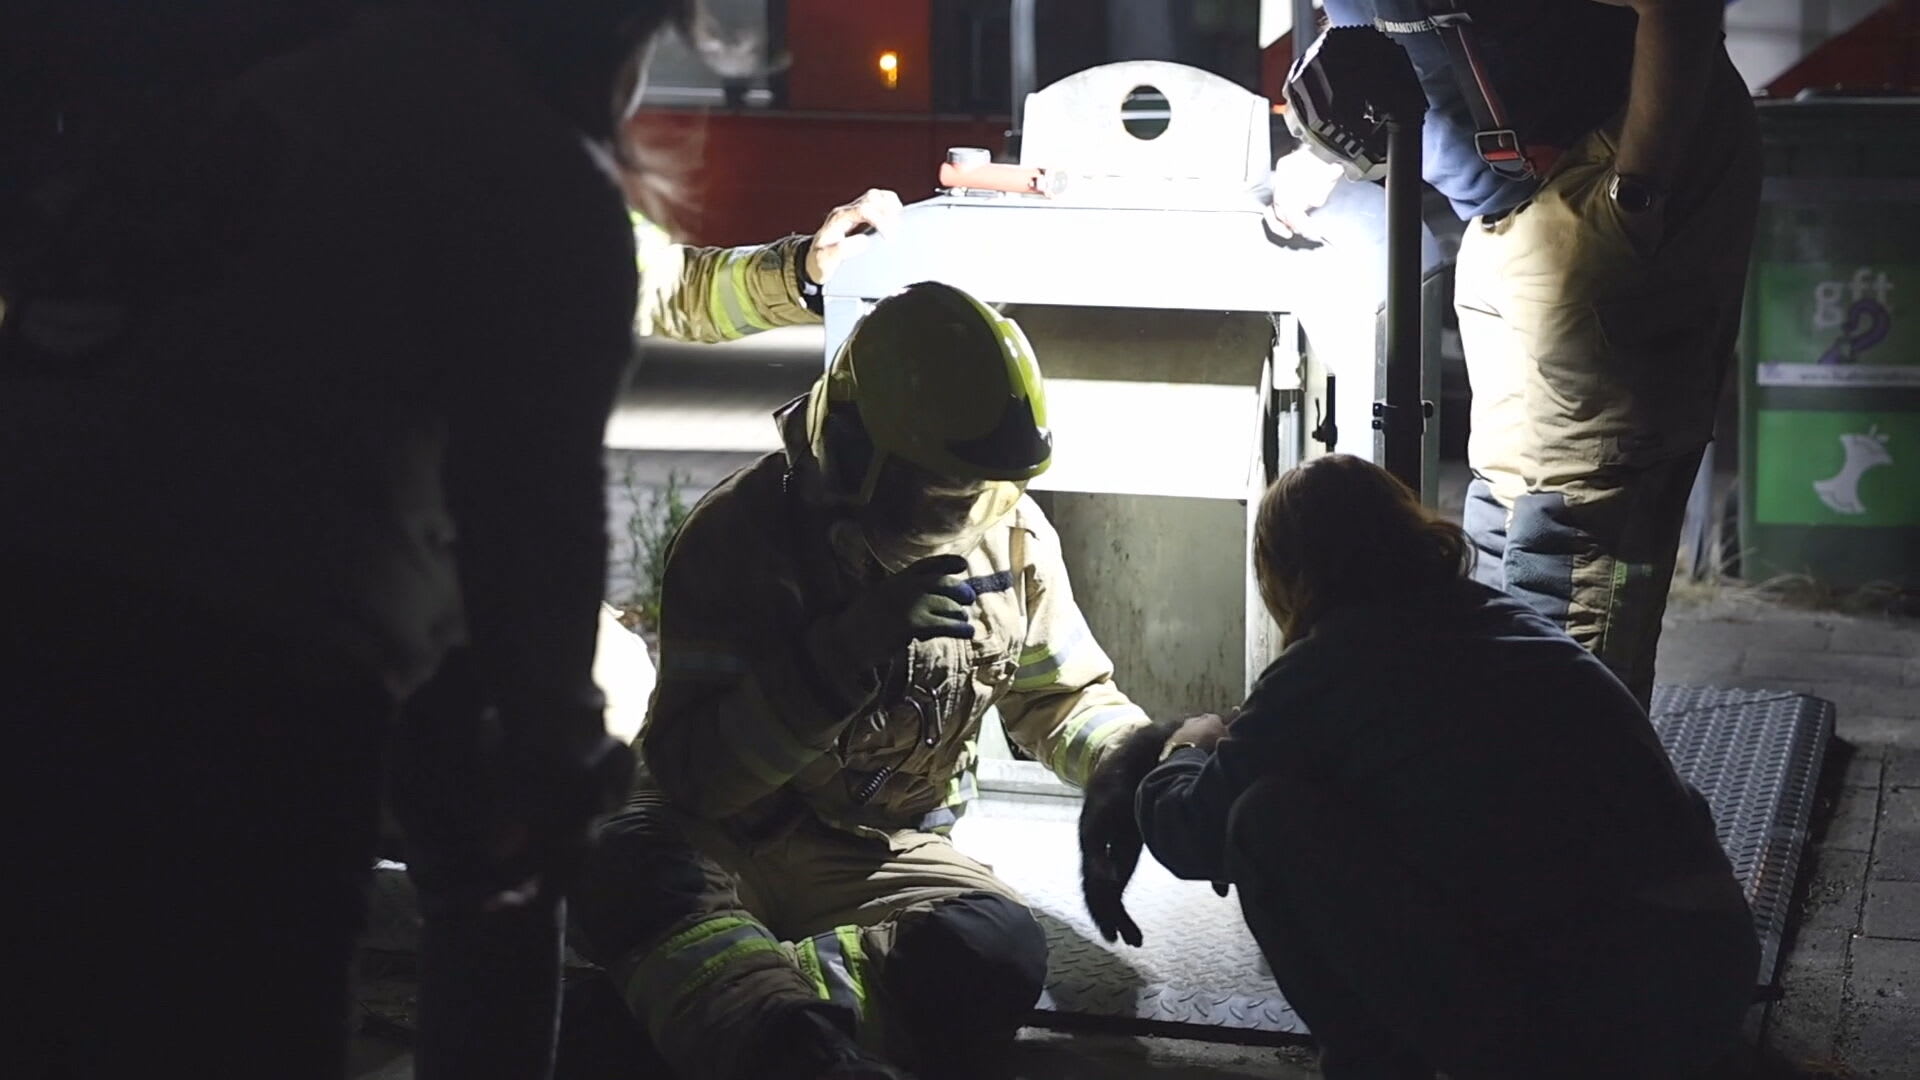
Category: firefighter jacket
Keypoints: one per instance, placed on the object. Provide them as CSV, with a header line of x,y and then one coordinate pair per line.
x,y
744,729
712,294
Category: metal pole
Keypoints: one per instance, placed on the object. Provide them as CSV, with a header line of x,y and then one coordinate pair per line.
x,y
1306,27
1401,418
1020,37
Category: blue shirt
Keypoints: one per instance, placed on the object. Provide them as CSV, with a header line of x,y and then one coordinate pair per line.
x,y
1498,757
1560,67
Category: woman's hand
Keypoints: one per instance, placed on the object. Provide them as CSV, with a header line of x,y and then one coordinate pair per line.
x,y
1201,731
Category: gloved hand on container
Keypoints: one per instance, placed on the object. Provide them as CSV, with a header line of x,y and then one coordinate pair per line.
x,y
929,599
848,231
1300,184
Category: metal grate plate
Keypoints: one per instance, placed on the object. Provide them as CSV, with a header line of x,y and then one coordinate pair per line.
x,y
1755,755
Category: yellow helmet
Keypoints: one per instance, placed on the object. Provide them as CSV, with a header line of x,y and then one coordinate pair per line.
x,y
938,380
929,423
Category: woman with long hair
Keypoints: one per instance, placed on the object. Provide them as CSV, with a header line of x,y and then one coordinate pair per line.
x,y
1454,833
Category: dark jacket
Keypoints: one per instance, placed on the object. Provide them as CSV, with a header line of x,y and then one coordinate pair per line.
x,y
1494,756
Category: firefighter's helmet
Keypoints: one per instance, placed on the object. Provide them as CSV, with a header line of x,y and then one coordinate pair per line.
x,y
930,420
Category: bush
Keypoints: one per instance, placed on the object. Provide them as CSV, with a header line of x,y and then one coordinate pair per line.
x,y
651,527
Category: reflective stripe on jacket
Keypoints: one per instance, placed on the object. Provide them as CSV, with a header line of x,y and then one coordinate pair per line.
x,y
712,294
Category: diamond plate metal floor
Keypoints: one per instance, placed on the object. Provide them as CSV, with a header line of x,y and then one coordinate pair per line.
x,y
1756,755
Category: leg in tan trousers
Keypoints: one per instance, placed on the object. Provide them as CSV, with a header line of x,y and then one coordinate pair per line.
x,y
1596,358
714,941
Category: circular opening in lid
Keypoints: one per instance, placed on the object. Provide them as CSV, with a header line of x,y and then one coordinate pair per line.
x,y
1145,113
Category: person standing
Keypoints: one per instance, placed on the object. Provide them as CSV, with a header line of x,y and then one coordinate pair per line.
x,y
307,388
1606,158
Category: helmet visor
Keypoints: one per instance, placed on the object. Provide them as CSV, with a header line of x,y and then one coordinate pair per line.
x,y
915,514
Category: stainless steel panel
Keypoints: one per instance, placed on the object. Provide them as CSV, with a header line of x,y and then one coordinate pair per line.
x,y
1163,584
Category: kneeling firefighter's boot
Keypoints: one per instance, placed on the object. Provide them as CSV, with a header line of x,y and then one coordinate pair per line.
x,y
814,1044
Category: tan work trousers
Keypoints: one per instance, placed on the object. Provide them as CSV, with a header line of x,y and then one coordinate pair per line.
x,y
710,937
1596,349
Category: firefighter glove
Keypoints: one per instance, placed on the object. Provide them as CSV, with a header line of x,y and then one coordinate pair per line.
x,y
929,599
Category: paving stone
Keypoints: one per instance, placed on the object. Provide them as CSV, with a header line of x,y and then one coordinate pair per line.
x,y
1863,768
1778,630
1836,885
1886,731
1698,670
1812,665
1814,954
1896,848
1903,768
1893,911
1689,648
1896,855
1885,972
1804,1026
1883,1042
1848,697
1847,824
1867,699
1900,808
1882,636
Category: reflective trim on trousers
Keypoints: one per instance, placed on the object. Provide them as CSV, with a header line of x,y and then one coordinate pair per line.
x,y
680,967
836,964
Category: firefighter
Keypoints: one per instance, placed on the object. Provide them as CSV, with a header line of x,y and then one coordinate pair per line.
x,y
779,899
1606,158
270,373
1445,872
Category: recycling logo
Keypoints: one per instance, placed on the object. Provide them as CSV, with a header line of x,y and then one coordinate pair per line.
x,y
1865,451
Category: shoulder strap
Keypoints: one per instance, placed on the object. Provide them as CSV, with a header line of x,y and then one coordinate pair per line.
x,y
1494,137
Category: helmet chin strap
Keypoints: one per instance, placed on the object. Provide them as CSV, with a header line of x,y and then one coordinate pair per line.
x,y
856,556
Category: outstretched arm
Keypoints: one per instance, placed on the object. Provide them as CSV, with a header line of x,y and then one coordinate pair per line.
x,y
1673,56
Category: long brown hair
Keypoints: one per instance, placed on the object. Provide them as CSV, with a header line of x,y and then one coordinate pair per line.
x,y
1339,531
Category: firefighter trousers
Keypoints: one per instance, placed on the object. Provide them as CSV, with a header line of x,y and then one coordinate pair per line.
x,y
1596,348
713,940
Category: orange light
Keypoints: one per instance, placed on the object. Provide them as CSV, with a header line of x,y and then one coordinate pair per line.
x,y
890,69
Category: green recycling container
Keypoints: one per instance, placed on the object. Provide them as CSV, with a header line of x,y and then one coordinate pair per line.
x,y
1830,353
